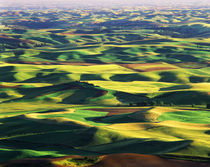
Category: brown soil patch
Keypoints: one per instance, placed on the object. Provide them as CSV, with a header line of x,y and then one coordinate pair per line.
x,y
158,69
117,111
134,66
185,44
141,64
4,86
138,160
131,67
191,65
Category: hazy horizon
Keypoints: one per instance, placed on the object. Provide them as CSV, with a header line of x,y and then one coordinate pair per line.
x,y
100,3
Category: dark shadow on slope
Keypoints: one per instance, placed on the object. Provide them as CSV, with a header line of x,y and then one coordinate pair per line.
x,y
134,117
49,55
177,87
183,57
169,77
79,92
122,118
141,146
12,126
7,74
196,79
42,135
52,111
131,98
207,132
31,163
129,77
86,77
183,97
59,38
30,93
50,78
82,96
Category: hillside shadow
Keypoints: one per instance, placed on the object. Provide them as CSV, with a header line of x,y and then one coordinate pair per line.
x,y
197,79
140,146
169,77
50,78
7,74
131,98
207,132
87,77
42,135
52,111
177,87
134,117
183,57
129,77
30,163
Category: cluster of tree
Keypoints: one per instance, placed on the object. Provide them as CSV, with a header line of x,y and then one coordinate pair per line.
x,y
184,31
19,31
85,84
149,103
4,46
128,23
95,30
40,44
37,24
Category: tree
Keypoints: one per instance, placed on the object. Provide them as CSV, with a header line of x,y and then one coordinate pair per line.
x,y
161,103
143,103
152,103
208,105
171,104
